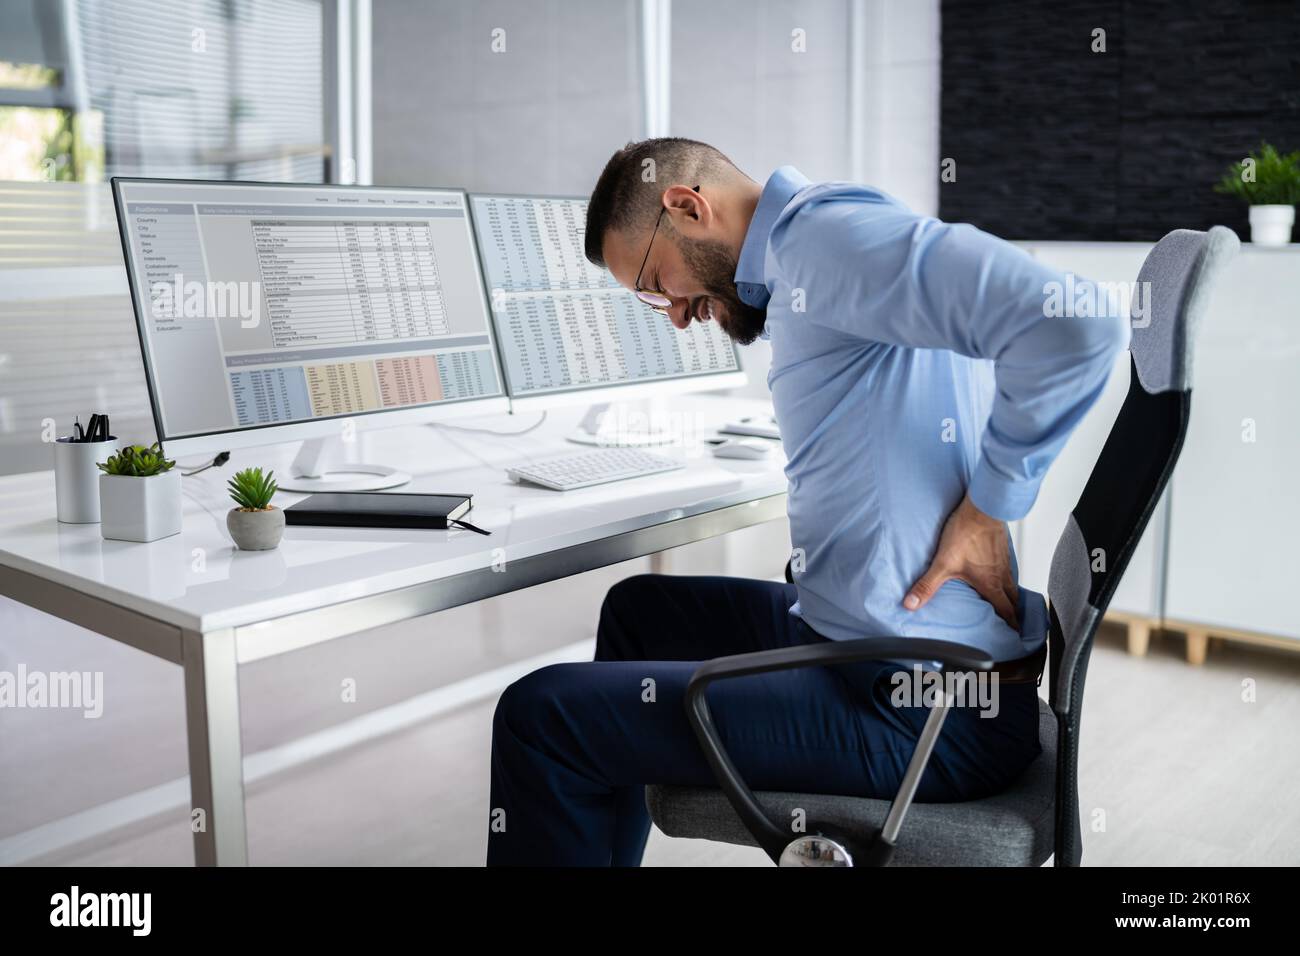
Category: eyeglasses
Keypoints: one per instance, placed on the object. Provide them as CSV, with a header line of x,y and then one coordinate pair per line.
x,y
655,298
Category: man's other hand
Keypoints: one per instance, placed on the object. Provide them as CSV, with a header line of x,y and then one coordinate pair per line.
x,y
973,548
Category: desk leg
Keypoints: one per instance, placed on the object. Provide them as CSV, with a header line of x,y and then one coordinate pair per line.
x,y
216,751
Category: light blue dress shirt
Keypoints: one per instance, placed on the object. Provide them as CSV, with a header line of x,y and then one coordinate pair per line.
x,y
912,361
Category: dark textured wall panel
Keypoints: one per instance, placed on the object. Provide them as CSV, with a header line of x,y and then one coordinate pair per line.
x,y
1053,141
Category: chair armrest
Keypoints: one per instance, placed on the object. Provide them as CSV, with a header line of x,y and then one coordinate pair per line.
x,y
770,837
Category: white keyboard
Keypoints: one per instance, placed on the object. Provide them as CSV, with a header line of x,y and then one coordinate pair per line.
x,y
584,468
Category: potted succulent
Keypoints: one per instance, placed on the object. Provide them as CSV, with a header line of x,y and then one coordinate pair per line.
x,y
256,524
1269,182
139,495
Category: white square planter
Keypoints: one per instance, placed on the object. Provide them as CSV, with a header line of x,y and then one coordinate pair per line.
x,y
140,509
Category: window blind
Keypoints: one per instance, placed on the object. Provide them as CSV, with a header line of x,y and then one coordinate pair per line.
x,y
242,99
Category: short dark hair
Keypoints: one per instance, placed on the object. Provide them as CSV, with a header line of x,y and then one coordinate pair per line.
x,y
629,190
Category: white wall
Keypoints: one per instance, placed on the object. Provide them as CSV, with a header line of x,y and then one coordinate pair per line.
x,y
899,139
542,115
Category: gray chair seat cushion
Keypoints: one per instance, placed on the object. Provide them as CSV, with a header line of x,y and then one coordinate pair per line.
x,y
1012,828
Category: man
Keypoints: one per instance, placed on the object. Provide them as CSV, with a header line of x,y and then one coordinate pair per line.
x,y
922,388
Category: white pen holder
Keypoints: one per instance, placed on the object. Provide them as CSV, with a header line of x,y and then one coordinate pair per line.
x,y
76,479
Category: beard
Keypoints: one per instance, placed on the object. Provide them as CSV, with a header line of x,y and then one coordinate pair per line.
x,y
715,268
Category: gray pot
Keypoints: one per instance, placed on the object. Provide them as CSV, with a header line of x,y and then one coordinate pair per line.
x,y
255,530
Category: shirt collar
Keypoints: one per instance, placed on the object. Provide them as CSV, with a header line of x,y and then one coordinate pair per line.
x,y
751,282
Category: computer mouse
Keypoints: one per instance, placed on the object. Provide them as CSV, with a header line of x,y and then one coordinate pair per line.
x,y
750,448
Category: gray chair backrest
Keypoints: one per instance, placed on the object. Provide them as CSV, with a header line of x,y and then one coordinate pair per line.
x,y
1131,472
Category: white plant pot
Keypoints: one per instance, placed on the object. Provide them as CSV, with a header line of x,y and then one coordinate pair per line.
x,y
1271,225
140,509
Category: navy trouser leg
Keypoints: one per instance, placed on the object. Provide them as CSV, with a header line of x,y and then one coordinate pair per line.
x,y
678,618
574,744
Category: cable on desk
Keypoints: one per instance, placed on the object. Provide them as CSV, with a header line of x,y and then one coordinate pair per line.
x,y
491,431
214,463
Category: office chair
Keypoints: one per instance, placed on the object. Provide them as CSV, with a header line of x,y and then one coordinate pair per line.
x,y
1038,816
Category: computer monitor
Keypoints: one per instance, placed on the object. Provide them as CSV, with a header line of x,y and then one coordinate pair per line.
x,y
271,312
567,331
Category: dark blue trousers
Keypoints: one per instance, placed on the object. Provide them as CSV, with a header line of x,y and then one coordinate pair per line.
x,y
573,745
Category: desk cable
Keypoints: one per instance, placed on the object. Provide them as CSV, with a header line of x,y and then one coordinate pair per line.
x,y
217,462
492,431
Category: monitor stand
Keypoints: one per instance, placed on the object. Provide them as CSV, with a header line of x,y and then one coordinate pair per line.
x,y
620,430
308,472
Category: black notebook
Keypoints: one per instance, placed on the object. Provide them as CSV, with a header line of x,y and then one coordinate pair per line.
x,y
368,509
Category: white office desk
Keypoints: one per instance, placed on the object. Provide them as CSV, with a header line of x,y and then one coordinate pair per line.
x,y
194,600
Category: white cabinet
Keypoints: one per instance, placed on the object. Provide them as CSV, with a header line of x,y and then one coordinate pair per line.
x,y
1234,543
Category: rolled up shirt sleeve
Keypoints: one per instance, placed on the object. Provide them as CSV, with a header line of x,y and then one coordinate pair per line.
x,y
883,273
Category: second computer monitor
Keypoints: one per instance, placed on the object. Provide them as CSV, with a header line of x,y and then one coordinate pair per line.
x,y
566,330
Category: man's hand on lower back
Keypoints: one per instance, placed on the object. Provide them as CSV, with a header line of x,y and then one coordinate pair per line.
x,y
972,548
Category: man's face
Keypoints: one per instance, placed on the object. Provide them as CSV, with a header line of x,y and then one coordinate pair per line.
x,y
693,266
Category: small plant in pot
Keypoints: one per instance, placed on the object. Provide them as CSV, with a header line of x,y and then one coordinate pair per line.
x,y
139,495
1269,182
256,524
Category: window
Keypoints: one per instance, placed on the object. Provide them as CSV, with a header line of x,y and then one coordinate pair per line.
x,y
203,89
